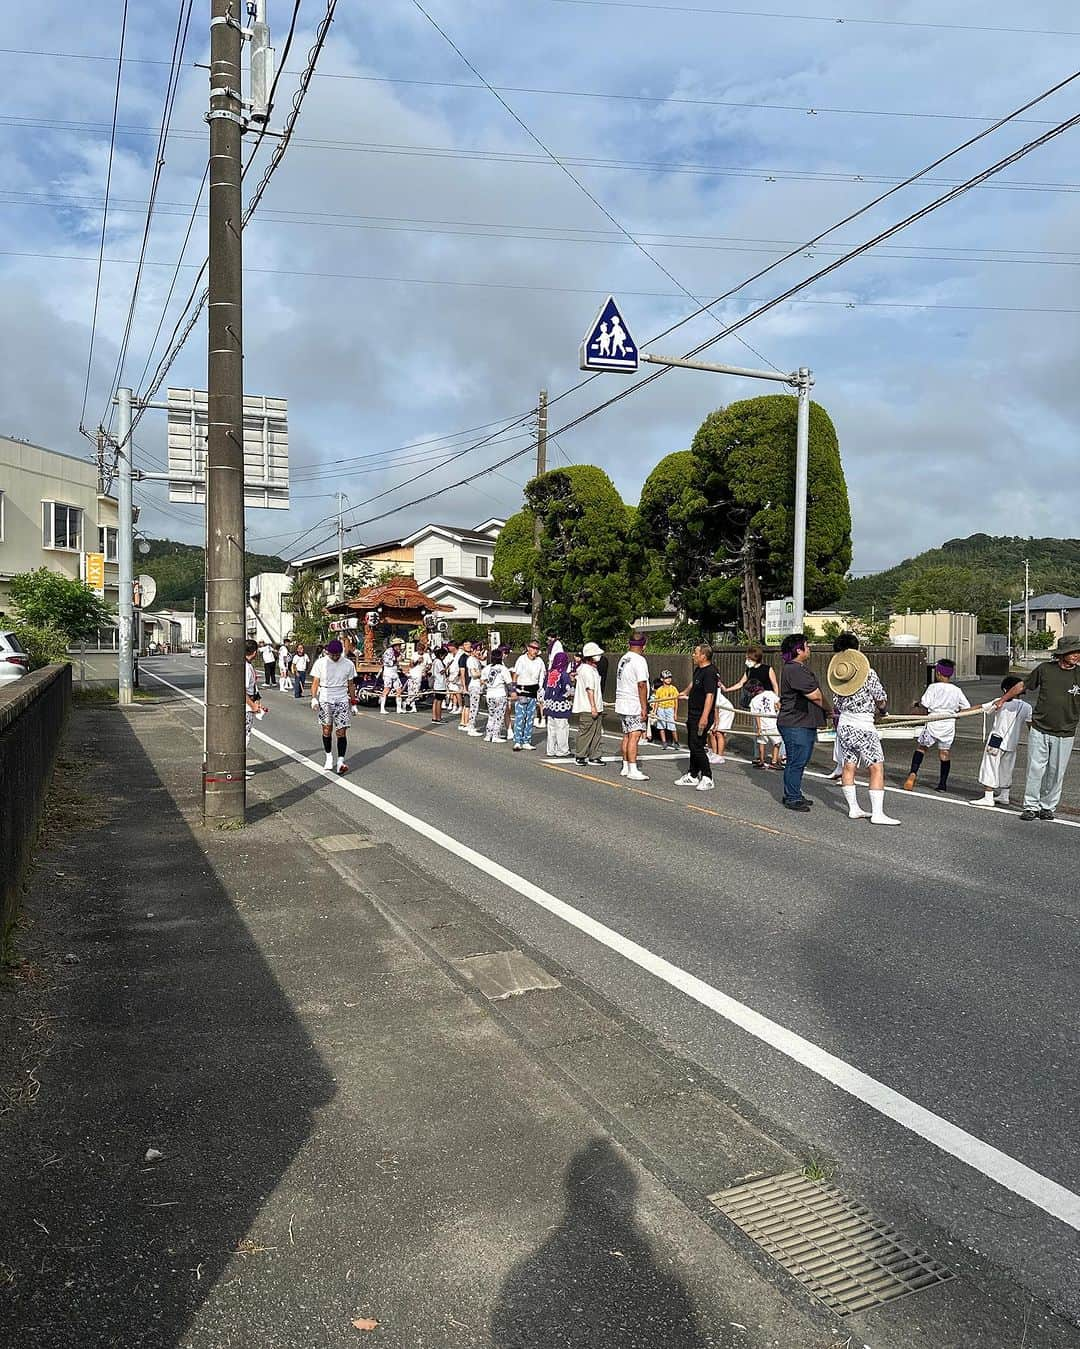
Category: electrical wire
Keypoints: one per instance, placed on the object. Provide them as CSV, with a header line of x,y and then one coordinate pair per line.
x,y
183,22
104,221
819,18
576,180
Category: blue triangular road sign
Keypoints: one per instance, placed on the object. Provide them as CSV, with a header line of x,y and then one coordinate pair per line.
x,y
608,344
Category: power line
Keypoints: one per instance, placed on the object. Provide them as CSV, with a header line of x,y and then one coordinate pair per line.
x,y
480,155
183,22
104,219
574,179
819,18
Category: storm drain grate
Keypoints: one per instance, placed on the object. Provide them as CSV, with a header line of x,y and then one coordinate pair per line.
x,y
836,1248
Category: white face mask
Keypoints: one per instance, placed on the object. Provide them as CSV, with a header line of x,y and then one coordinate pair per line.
x,y
749,664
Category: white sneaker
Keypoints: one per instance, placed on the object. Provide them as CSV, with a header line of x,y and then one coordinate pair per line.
x,y
624,769
987,802
328,762
706,785
687,780
383,712
636,775
463,725
714,758
472,732
528,746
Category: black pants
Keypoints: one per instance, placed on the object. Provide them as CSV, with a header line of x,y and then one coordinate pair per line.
x,y
699,758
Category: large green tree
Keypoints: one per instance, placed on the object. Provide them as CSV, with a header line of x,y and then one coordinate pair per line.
x,y
654,531
515,557
47,599
307,605
581,566
732,529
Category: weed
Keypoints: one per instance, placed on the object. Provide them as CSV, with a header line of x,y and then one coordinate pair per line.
x,y
818,1168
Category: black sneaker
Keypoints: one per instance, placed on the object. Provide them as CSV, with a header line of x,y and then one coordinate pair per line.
x,y
941,787
1029,814
578,759
594,761
1046,814
802,806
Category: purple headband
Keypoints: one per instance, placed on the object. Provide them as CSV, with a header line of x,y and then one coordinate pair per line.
x,y
788,656
945,667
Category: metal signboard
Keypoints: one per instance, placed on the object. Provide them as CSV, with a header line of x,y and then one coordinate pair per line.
x,y
779,620
266,449
95,572
608,344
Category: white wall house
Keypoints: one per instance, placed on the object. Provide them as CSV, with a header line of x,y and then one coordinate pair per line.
x,y
267,617
453,566
52,515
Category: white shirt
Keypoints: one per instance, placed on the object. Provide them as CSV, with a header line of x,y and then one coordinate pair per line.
x,y
251,686
473,669
333,677
283,652
633,670
497,679
766,705
390,658
940,698
268,654
587,677
531,672
1009,722
300,662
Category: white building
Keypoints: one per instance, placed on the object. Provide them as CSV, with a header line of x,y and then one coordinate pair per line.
x,y
453,566
390,555
269,615
51,515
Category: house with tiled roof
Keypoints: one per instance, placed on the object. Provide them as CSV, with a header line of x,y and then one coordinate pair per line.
x,y
453,566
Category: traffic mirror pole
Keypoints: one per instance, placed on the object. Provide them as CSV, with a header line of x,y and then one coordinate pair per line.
x,y
125,535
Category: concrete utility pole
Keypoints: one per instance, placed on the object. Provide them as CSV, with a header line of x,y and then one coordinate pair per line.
x,y
340,550
802,471
541,467
1027,605
223,770
125,532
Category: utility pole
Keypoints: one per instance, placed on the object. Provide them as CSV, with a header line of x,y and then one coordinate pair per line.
x,y
340,550
125,563
1027,605
541,467
802,470
224,766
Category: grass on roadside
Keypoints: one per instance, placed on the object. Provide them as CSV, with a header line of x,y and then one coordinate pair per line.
x,y
106,697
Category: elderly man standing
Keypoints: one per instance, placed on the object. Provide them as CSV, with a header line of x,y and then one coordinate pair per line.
x,y
1053,727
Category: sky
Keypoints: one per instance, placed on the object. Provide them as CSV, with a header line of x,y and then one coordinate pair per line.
x,y
421,265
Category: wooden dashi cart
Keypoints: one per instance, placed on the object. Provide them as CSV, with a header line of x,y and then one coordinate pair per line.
x,y
377,615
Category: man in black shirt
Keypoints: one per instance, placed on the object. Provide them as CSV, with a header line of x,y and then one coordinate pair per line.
x,y
701,698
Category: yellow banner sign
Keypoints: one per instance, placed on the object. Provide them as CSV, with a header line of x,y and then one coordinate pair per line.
x,y
95,572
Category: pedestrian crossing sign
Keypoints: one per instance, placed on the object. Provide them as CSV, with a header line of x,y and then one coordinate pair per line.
x,y
608,344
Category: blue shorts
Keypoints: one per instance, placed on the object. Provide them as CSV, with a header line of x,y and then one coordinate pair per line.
x,y
665,718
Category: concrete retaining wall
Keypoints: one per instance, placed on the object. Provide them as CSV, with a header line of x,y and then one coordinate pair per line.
x,y
32,715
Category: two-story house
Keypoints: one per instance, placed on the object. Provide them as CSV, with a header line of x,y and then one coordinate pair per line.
x,y
51,515
453,566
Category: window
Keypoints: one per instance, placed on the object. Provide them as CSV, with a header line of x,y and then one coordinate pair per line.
x,y
481,566
61,526
107,542
435,567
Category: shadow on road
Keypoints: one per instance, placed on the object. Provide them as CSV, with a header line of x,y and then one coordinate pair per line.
x,y
172,1034
595,1281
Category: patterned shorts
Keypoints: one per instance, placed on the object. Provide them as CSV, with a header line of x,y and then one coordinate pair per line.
x,y
633,723
337,713
858,745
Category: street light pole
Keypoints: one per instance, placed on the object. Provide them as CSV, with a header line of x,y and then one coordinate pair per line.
x,y
541,468
125,563
802,471
223,769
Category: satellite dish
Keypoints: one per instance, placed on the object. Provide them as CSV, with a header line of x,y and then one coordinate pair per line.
x,y
145,591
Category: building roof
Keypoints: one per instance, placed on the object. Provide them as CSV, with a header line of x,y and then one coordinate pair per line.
x,y
470,587
1054,600
456,532
368,550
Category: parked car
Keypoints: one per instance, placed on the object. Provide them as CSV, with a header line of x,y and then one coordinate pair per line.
x,y
14,662
198,649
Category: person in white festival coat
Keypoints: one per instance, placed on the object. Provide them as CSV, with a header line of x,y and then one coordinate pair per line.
x,y
632,704
333,694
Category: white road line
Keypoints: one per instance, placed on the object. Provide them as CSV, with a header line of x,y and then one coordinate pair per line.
x,y
989,1161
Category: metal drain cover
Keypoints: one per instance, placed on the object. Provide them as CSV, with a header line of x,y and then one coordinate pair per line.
x,y
836,1248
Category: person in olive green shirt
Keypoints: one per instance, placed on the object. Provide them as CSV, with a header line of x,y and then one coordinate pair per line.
x,y
1053,727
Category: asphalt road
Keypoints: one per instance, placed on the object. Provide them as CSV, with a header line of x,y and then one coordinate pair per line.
x,y
939,960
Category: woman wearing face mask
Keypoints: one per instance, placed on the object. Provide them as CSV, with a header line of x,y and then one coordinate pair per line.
x,y
756,671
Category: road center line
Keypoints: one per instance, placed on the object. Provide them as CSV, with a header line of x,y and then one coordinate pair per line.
x,y
1006,1171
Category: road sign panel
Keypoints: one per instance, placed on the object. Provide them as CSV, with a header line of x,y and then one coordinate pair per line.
x,y
266,449
608,344
779,620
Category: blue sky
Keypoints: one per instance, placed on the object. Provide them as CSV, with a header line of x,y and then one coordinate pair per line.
x,y
419,267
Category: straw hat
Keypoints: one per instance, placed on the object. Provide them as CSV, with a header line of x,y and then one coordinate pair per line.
x,y
848,672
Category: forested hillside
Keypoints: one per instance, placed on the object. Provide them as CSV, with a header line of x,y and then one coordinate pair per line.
x,y
179,570
980,574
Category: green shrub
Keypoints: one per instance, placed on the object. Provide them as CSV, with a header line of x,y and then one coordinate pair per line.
x,y
45,643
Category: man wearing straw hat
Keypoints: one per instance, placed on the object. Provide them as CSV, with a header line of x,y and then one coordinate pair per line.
x,y
858,695
1053,726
